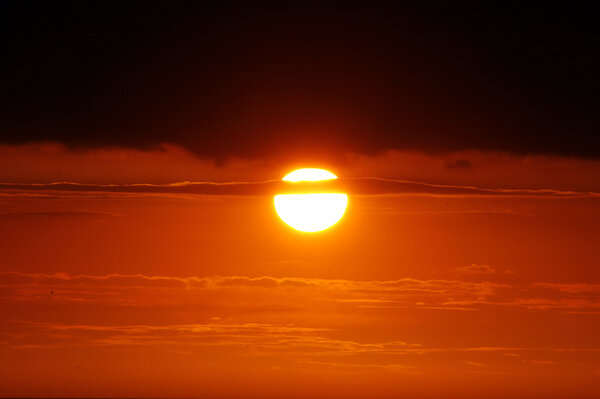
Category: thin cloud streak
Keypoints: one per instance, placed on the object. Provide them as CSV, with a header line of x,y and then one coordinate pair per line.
x,y
264,337
367,186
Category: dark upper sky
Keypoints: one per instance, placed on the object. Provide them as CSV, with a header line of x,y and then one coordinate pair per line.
x,y
253,79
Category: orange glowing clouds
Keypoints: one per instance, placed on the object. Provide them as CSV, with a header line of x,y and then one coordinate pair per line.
x,y
314,211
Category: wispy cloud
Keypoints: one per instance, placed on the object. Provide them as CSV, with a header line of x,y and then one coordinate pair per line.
x,y
302,292
356,186
331,325
344,325
475,364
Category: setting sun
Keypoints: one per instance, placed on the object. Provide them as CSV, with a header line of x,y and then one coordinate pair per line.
x,y
341,200
313,211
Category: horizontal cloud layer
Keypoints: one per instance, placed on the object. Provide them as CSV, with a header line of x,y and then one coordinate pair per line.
x,y
306,325
405,293
356,186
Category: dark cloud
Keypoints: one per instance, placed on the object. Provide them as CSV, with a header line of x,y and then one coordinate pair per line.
x,y
459,164
304,80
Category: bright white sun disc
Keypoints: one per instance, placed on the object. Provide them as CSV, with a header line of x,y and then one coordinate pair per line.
x,y
309,174
311,212
314,211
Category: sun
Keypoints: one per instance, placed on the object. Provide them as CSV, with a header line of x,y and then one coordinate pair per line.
x,y
314,211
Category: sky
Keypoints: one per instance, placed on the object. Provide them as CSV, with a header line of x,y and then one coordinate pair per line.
x,y
141,148
304,80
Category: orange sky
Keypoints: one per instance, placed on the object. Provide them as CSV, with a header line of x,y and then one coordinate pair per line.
x,y
425,290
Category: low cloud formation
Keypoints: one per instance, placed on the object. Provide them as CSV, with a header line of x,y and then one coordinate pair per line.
x,y
402,293
301,325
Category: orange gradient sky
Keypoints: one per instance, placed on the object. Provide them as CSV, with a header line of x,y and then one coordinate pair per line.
x,y
461,274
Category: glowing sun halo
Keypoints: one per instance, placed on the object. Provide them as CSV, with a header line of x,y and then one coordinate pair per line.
x,y
310,212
